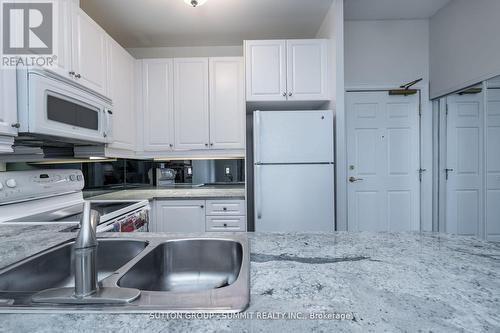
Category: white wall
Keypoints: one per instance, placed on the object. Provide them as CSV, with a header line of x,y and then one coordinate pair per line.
x,y
386,53
181,52
464,45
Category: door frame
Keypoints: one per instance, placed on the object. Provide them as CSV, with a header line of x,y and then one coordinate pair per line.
x,y
425,157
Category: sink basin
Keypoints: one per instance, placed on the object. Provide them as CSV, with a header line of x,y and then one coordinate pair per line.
x,y
186,266
194,272
54,268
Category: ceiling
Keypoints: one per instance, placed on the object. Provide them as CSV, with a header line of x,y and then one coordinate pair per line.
x,y
391,9
163,23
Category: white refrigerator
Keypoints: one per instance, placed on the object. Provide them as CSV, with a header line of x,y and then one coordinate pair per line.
x,y
293,171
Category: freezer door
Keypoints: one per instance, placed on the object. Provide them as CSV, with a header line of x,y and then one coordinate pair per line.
x,y
293,136
294,198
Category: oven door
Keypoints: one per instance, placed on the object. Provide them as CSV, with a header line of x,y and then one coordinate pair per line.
x,y
61,109
136,221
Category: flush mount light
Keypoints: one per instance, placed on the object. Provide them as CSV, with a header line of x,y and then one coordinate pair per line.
x,y
195,3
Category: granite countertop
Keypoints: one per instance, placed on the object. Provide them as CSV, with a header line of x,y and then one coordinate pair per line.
x,y
382,281
173,193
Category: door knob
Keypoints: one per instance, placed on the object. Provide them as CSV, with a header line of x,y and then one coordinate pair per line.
x,y
354,179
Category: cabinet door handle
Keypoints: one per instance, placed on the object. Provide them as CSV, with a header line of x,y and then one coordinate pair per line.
x,y
225,225
284,94
78,76
171,145
16,125
211,144
206,144
202,206
72,73
224,208
290,94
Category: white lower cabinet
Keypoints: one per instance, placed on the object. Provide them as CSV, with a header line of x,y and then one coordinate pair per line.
x,y
179,216
198,216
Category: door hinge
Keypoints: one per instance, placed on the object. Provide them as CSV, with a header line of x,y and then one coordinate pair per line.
x,y
420,110
420,173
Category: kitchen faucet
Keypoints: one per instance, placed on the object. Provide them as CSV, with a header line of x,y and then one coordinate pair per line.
x,y
86,290
86,253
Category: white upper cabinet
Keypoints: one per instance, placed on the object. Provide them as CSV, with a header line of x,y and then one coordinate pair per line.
x,y
287,70
8,102
227,103
191,107
307,70
265,70
121,90
62,49
89,52
158,104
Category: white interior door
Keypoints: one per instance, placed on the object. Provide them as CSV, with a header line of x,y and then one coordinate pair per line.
x,y
464,162
493,166
383,158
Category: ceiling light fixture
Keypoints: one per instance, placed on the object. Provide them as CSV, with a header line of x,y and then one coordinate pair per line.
x,y
195,3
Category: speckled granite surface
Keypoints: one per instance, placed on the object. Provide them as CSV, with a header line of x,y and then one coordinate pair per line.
x,y
389,282
178,193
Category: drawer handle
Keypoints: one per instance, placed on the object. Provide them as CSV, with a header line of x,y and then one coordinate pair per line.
x,y
224,208
202,206
225,225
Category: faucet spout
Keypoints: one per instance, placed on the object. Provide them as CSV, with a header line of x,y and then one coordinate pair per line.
x,y
86,253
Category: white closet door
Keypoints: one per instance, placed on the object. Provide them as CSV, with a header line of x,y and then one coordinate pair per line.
x,y
464,195
493,166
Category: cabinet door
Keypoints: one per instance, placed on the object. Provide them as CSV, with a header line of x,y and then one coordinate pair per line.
x,y
265,70
121,82
191,103
8,102
89,52
62,49
307,72
179,216
227,103
158,104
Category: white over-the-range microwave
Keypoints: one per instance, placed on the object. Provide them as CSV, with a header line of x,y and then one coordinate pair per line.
x,y
53,107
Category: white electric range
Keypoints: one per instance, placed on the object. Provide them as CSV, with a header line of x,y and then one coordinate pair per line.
x,y
55,197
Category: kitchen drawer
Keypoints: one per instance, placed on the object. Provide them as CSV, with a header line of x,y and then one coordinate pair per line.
x,y
226,207
226,223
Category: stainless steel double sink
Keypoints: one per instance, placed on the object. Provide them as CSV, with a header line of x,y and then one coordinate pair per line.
x,y
174,274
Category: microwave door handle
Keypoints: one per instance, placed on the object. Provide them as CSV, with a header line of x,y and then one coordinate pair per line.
x,y
108,115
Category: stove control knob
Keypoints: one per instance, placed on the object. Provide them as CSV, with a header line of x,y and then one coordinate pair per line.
x,y
72,178
79,177
11,183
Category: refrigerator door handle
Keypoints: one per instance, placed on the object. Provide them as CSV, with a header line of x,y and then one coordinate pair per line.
x,y
256,126
258,189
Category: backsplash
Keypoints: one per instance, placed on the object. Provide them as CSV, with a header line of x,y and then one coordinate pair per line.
x,y
126,173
